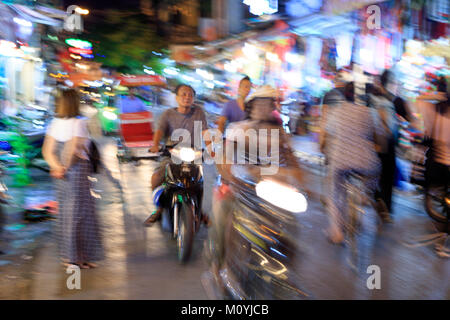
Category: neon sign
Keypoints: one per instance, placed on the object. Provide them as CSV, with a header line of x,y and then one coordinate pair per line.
x,y
261,7
78,43
80,51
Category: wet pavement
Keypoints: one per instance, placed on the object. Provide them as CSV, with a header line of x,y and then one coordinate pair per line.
x,y
141,262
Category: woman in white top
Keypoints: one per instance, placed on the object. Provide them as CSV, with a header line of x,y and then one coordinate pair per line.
x,y
65,150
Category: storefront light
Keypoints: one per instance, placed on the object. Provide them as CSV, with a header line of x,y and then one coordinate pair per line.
x,y
294,79
219,83
96,83
82,66
311,79
272,57
28,50
23,22
240,62
344,45
171,71
150,72
293,58
8,50
74,56
250,51
205,74
230,67
209,84
414,46
188,78
80,50
78,43
366,55
260,7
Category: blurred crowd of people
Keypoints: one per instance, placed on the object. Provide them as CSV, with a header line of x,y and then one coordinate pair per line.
x,y
362,138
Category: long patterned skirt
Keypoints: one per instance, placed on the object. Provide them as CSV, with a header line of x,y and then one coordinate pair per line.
x,y
78,231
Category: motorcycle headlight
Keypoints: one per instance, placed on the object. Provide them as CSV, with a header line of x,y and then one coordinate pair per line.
x,y
282,196
187,154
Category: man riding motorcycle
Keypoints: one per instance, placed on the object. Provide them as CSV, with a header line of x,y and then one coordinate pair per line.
x,y
240,178
182,117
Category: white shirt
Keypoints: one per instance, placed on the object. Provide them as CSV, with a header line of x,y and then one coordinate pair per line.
x,y
64,129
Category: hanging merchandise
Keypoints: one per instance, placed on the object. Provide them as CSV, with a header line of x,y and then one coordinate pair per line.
x,y
438,10
328,57
344,48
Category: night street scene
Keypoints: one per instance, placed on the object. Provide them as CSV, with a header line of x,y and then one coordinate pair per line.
x,y
210,150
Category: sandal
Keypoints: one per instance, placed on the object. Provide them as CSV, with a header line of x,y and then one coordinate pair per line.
x,y
155,216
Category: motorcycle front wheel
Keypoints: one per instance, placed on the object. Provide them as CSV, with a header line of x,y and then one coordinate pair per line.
x,y
185,236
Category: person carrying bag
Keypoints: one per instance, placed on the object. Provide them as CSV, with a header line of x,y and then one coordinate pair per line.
x,y
66,149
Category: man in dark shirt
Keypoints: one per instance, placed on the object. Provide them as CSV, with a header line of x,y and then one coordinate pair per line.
x,y
183,117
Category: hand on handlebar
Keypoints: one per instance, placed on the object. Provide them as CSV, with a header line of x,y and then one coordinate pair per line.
x,y
154,149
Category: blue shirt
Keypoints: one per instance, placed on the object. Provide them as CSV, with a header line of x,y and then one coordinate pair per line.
x,y
128,105
233,112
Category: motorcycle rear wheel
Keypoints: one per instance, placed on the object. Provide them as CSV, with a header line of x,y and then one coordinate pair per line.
x,y
435,204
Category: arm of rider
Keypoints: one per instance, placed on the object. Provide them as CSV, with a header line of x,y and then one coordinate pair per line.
x,y
57,170
156,141
221,123
439,96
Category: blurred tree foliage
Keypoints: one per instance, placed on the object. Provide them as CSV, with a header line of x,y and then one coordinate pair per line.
x,y
21,148
125,40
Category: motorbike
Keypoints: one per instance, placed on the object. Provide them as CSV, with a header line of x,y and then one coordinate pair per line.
x,y
181,197
251,245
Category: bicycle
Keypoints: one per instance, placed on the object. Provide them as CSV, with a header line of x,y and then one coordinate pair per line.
x,y
358,197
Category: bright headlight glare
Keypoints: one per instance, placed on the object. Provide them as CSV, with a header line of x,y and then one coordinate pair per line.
x,y
187,154
282,196
110,115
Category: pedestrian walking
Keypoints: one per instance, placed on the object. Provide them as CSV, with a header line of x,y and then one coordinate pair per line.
x,y
65,149
386,124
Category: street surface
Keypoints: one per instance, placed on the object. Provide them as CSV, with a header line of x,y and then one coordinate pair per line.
x,y
141,262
